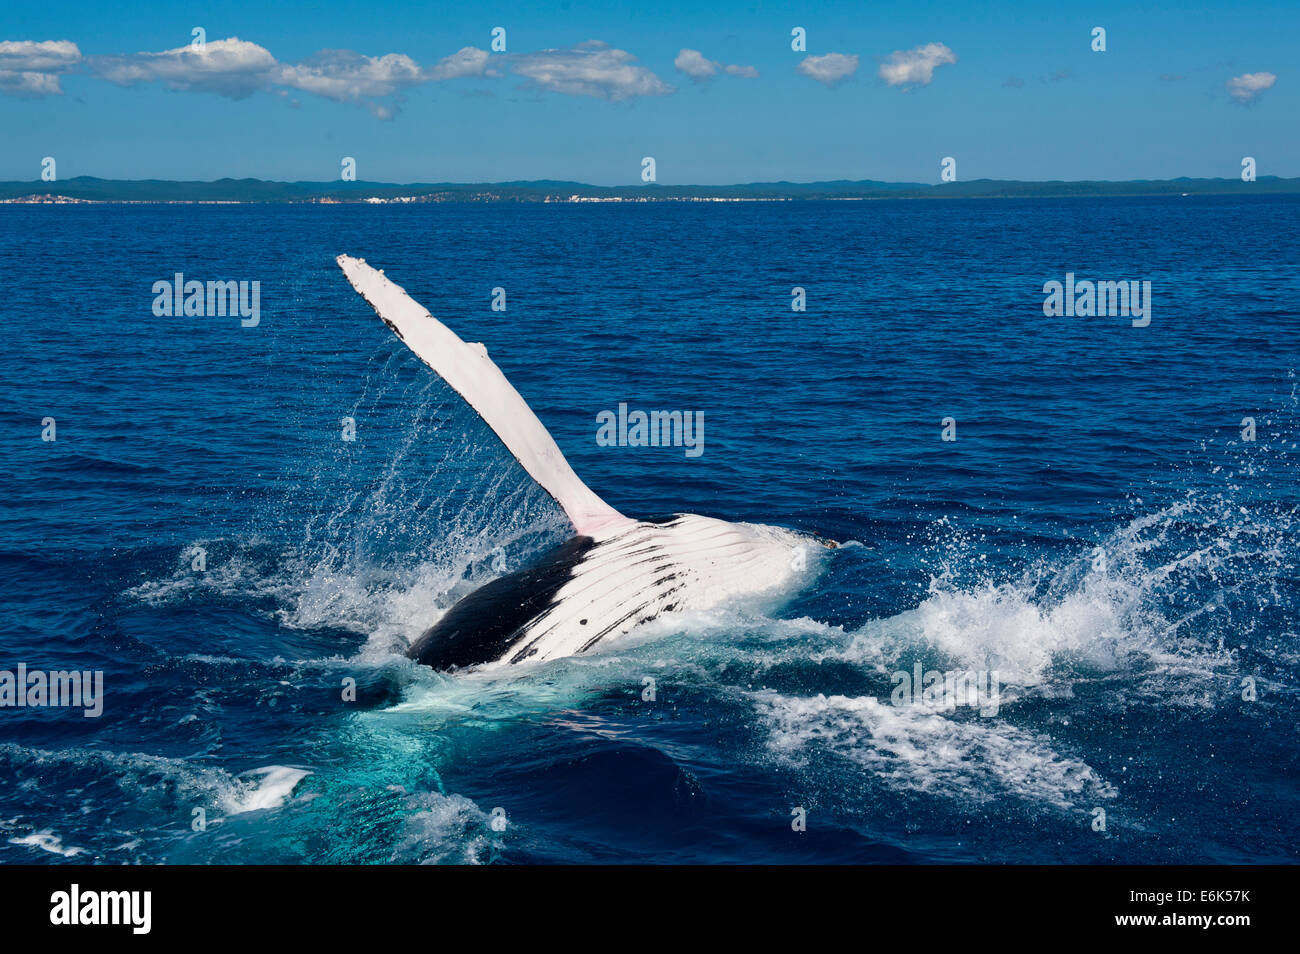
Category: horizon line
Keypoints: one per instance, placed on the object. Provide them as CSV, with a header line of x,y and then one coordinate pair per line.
x,y
358,183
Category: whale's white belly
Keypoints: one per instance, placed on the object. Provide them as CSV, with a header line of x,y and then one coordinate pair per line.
x,y
637,572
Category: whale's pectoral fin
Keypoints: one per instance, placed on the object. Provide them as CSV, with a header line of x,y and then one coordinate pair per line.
x,y
472,374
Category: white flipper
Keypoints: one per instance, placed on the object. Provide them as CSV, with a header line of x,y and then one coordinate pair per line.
x,y
470,372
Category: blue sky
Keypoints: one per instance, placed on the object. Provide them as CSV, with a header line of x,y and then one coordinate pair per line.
x,y
1011,92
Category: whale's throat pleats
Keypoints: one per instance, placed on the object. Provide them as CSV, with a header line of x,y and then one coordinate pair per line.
x,y
483,625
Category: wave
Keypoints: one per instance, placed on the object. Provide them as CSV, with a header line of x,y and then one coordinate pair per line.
x,y
158,780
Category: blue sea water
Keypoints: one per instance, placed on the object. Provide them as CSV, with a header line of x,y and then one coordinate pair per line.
x,y
1099,534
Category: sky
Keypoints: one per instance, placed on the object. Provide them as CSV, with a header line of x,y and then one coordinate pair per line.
x,y
415,92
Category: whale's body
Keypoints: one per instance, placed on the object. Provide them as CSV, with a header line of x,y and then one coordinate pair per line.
x,y
615,574
594,589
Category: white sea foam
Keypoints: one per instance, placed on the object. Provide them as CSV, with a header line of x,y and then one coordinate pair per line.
x,y
263,788
1123,607
232,567
47,840
444,829
921,749
165,783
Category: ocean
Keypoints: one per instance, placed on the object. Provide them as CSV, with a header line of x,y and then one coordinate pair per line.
x,y
242,525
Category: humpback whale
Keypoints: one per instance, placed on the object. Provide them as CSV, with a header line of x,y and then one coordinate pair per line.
x,y
615,573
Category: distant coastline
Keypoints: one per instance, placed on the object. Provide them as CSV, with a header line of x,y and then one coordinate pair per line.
x,y
87,189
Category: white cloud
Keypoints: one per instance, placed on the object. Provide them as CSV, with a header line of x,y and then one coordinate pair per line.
x,y
238,68
589,69
915,67
31,68
699,68
231,67
829,68
468,61
348,77
694,64
44,56
1247,87
28,84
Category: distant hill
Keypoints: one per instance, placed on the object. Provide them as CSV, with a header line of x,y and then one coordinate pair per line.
x,y
88,188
